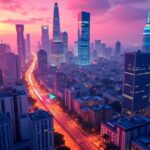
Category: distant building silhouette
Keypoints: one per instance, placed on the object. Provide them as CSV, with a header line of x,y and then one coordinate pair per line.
x,y
21,44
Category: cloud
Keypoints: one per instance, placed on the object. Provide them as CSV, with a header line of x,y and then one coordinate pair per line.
x,y
96,6
22,21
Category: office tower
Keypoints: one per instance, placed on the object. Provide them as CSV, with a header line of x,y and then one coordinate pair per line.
x,y
42,62
6,142
28,47
13,69
57,50
2,56
108,52
64,38
146,35
21,44
84,38
45,43
98,47
1,78
117,51
75,48
15,102
56,23
136,81
42,130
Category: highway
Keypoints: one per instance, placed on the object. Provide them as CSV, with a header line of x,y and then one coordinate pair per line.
x,y
74,136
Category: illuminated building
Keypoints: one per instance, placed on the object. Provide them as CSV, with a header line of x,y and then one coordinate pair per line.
x,y
28,47
15,102
45,42
84,38
57,45
6,142
21,44
122,131
56,23
136,82
41,130
146,35
42,62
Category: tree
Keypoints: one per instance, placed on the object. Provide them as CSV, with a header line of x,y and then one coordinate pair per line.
x,y
58,139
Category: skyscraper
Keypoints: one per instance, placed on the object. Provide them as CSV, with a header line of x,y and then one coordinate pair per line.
x,y
64,38
84,38
6,142
1,78
98,47
3,52
42,62
21,44
15,102
13,69
136,82
57,50
56,23
45,42
146,35
117,51
28,47
42,131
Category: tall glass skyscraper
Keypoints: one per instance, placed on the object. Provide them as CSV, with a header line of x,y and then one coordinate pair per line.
x,y
56,23
21,43
146,35
136,82
84,38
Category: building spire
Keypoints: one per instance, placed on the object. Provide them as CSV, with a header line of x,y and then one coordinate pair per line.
x,y
148,19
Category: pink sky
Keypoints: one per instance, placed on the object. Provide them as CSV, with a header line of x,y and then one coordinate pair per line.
x,y
110,19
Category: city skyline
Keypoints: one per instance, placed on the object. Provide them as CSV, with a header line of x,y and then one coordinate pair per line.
x,y
104,14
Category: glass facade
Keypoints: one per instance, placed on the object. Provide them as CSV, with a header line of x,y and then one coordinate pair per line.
x,y
84,38
136,82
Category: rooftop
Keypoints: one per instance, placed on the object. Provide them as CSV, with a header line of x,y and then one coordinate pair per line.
x,y
39,115
143,142
100,107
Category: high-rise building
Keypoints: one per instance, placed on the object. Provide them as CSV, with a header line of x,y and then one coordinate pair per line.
x,y
1,78
6,142
136,82
56,23
64,38
28,47
42,62
15,102
57,47
42,130
75,48
146,35
45,42
3,51
13,69
98,47
117,51
21,44
84,38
